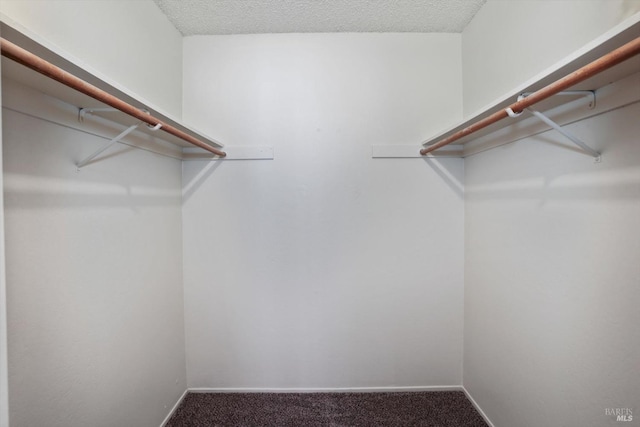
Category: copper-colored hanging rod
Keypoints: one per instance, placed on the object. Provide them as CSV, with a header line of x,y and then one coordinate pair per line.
x,y
612,58
38,64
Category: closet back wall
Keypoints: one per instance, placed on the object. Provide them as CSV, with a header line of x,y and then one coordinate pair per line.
x,y
323,268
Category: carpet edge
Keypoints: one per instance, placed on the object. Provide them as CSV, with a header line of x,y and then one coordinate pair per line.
x,y
174,409
477,407
323,389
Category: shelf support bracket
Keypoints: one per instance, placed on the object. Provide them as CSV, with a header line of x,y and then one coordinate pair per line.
x,y
100,150
591,94
577,141
82,112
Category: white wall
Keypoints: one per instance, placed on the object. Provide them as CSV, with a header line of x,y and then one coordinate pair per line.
x,y
94,278
4,375
551,277
129,43
551,239
508,42
323,267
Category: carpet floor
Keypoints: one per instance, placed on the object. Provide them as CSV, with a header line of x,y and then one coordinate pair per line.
x,y
434,409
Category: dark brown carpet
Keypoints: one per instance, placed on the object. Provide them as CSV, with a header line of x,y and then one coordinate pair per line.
x,y
434,409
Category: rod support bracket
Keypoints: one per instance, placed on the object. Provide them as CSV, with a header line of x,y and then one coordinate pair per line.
x,y
591,94
577,141
100,150
512,113
592,102
82,112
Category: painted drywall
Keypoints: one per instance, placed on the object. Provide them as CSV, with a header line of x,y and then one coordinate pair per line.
x,y
4,375
94,279
129,43
550,237
509,42
323,267
551,276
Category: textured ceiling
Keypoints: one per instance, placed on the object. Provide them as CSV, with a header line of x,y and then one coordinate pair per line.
x,y
193,17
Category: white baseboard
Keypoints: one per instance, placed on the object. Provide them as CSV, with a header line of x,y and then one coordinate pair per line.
x,y
323,389
173,410
478,408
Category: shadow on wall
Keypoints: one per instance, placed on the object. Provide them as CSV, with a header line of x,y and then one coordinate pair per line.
x,y
208,167
491,144
90,187
547,168
40,169
629,8
545,190
446,175
559,177
37,200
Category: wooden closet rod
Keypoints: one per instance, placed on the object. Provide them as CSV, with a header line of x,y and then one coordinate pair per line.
x,y
612,58
38,64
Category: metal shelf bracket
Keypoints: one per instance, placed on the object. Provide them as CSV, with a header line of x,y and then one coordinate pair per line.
x,y
82,112
591,94
577,141
100,150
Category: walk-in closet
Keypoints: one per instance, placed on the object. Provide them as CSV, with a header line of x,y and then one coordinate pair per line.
x,y
320,213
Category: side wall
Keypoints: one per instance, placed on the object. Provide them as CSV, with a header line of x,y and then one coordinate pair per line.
x,y
551,240
508,42
94,278
128,43
4,375
551,277
323,267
